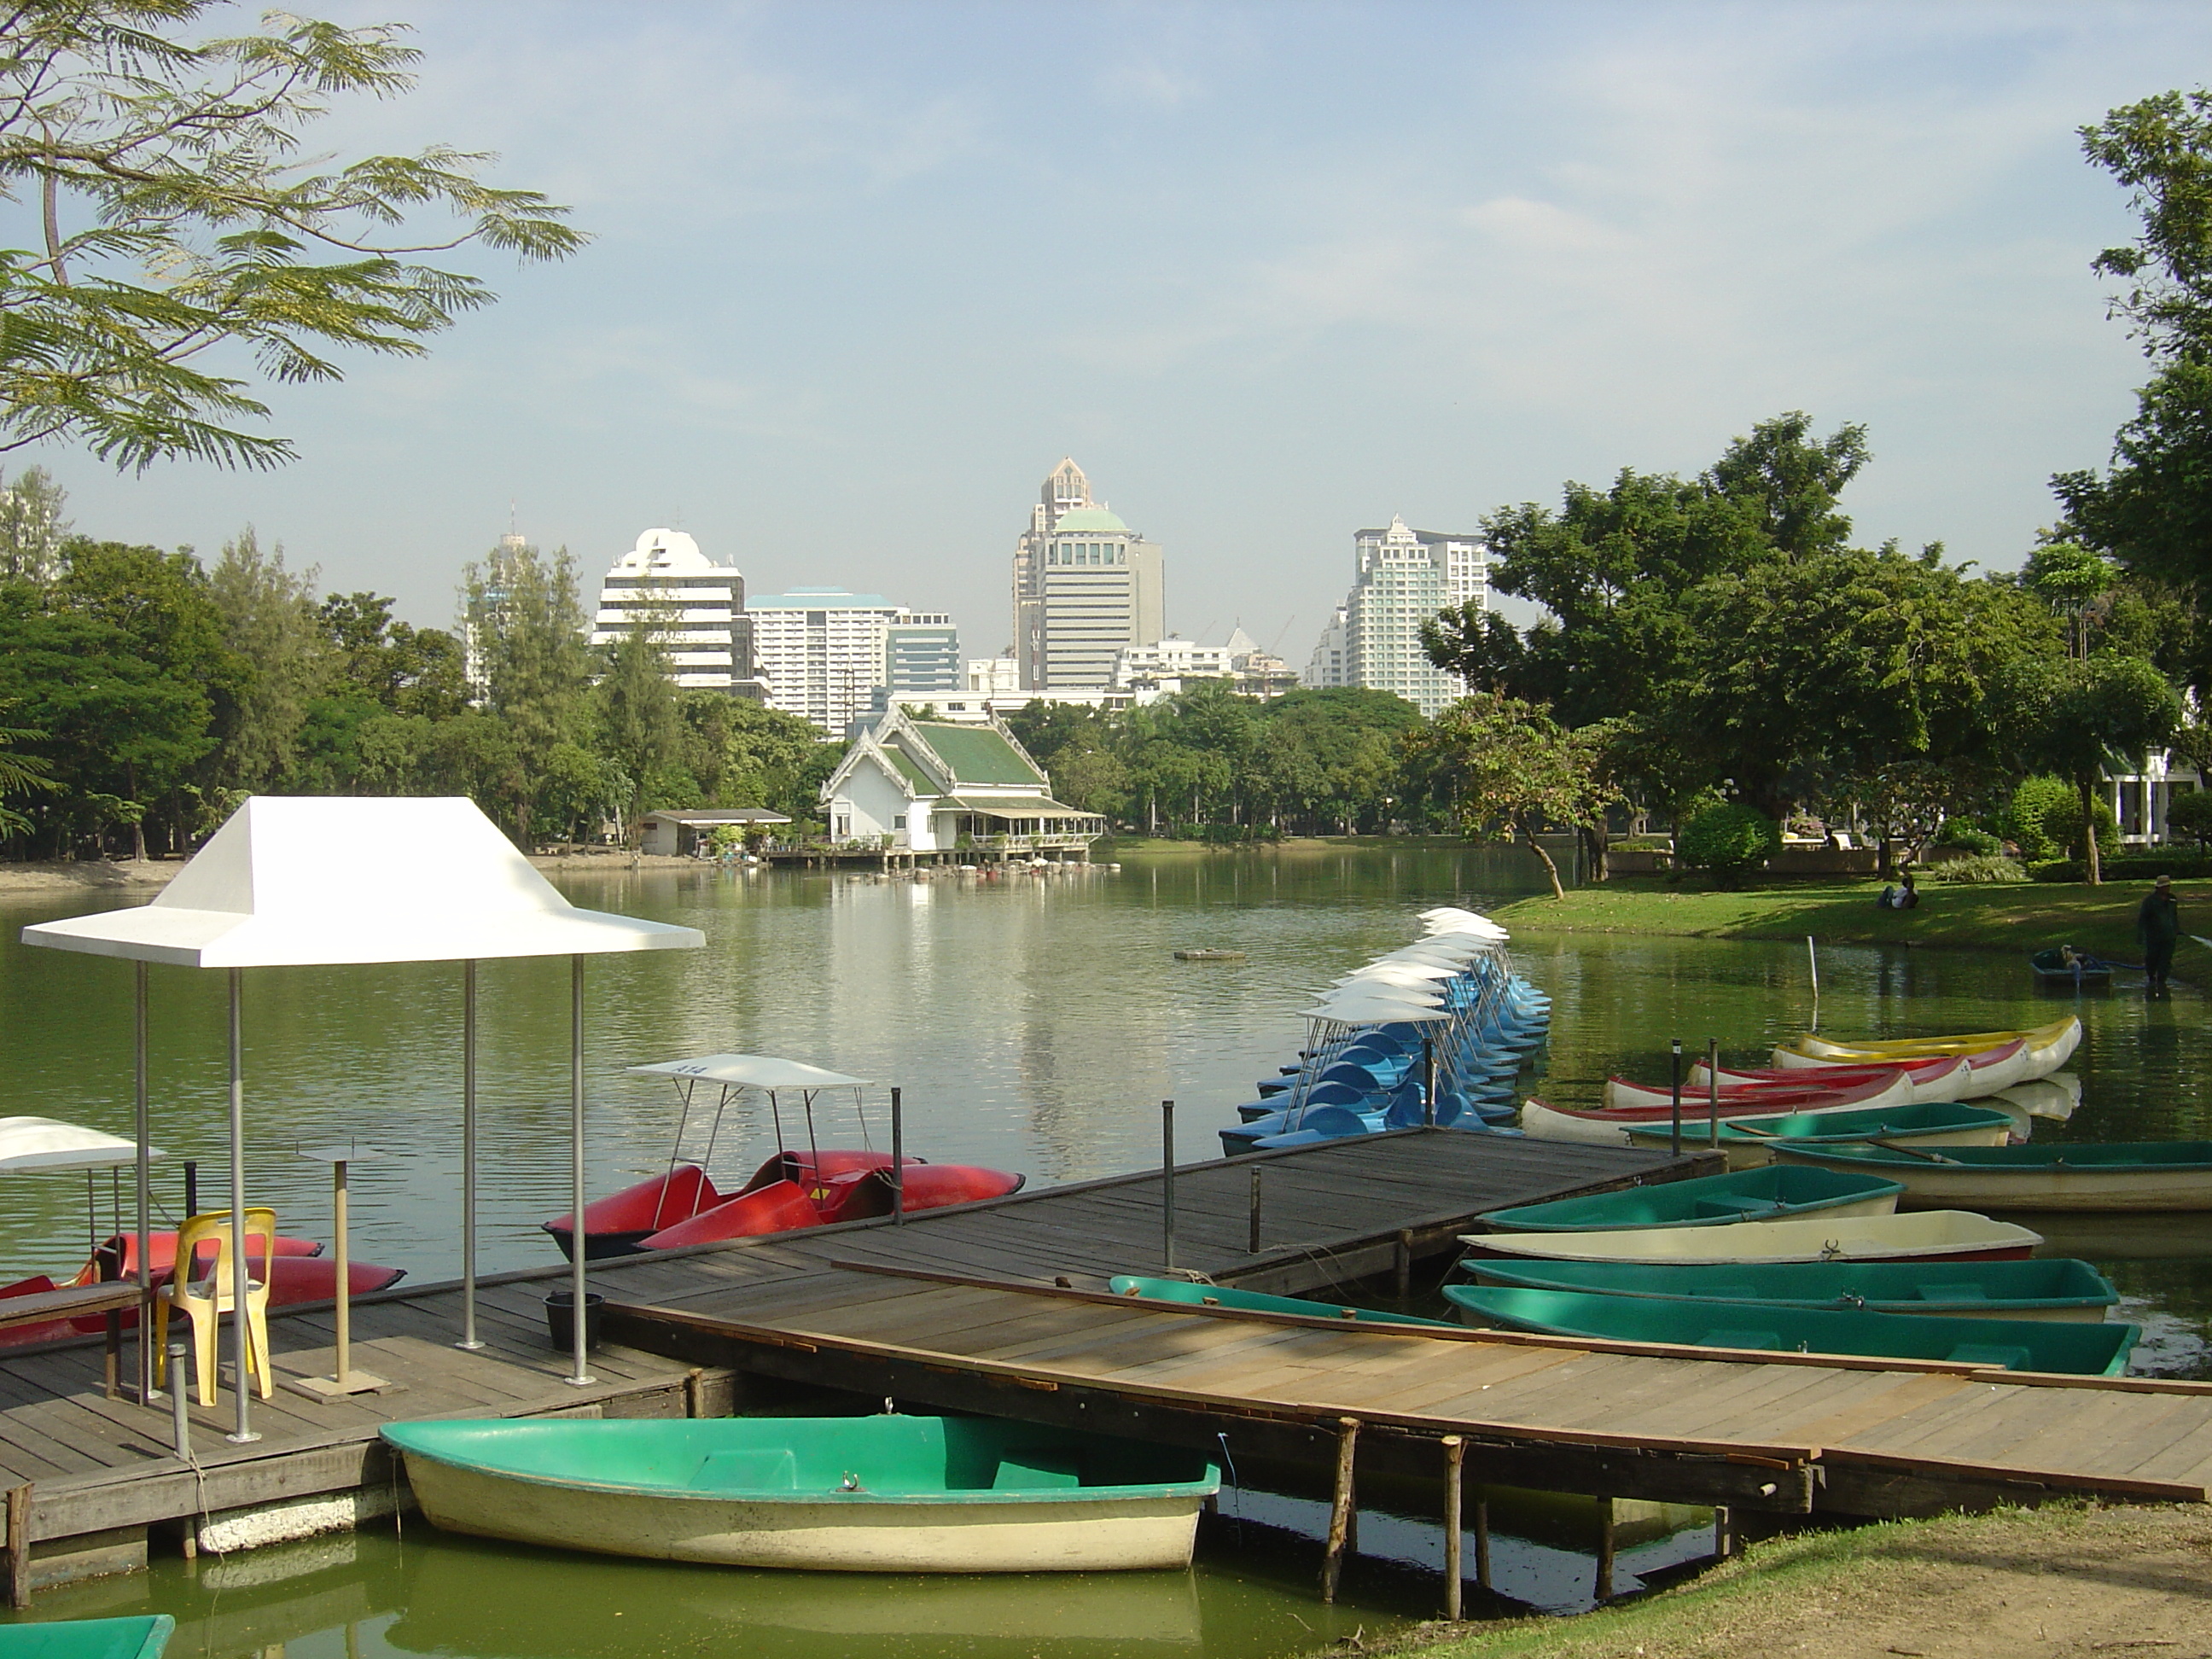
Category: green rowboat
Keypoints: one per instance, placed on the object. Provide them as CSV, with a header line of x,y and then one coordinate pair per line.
x,y
140,1637
854,1494
2077,1175
2053,1288
1748,1143
1221,1296
2020,1345
1769,1194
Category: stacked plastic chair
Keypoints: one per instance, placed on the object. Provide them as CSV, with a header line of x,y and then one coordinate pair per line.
x,y
1434,1033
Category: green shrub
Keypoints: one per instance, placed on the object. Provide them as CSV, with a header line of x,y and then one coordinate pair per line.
x,y
2189,817
1982,867
1964,832
2044,819
1727,839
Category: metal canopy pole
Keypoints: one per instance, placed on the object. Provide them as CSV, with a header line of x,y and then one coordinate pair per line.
x,y
142,1115
468,1338
239,1323
581,1377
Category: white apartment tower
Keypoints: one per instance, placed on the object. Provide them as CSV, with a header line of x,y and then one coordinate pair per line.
x,y
1403,578
699,607
1086,586
825,652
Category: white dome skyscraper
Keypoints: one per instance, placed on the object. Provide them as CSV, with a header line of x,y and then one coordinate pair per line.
x,y
700,606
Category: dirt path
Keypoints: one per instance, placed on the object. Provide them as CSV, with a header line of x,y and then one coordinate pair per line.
x,y
2124,1583
72,877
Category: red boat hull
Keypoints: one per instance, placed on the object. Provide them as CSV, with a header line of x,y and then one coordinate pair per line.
x,y
618,1223
855,1193
291,1279
781,1206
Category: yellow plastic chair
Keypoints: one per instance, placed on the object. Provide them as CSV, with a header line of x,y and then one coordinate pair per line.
x,y
204,1300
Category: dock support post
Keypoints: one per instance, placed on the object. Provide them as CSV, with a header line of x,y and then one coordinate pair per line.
x,y
241,1326
1339,1508
1251,1247
469,1340
1605,1549
19,1545
181,1422
1401,1265
1482,1542
1674,1135
1723,1535
1428,1081
1455,1468
1167,1181
141,1123
578,1278
1712,1091
898,1163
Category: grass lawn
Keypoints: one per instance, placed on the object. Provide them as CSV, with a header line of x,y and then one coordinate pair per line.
x,y
2010,916
2015,1584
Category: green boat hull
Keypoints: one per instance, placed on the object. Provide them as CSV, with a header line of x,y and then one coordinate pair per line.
x,y
1182,1292
2021,1344
2047,1288
1748,1143
861,1494
139,1638
1767,1195
2106,1176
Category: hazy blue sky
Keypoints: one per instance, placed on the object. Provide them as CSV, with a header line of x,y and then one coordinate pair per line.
x,y
1270,272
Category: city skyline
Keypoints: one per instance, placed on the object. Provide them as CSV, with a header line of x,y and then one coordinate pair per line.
x,y
854,287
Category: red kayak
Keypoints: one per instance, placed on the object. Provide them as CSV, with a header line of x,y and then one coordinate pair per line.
x,y
619,1223
1889,1087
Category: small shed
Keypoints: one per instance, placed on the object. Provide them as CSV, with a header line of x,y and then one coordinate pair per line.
x,y
677,834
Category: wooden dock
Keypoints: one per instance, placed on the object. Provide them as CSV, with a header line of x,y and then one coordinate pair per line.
x,y
1000,1308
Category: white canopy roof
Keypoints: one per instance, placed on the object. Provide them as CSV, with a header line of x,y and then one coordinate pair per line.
x,y
1366,1012
754,1071
1449,919
296,880
1391,971
46,1142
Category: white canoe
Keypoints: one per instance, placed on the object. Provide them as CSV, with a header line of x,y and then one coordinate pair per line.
x,y
2046,1049
1928,1234
1933,1080
867,1494
1603,1128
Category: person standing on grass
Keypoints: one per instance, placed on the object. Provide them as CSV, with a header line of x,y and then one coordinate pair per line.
x,y
2158,927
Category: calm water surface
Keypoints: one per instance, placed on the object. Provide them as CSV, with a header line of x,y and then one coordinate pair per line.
x,y
1034,1023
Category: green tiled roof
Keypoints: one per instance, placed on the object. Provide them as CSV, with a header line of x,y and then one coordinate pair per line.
x,y
910,768
976,754
1087,517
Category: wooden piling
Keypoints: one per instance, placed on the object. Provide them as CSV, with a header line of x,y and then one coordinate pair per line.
x,y
1482,1542
1252,1247
1339,1508
19,1545
1605,1549
1401,1265
1454,1465
1724,1534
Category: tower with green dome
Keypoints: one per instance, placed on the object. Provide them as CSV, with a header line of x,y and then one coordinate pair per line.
x,y
1086,586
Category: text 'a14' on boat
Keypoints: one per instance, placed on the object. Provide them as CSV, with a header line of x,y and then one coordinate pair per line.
x,y
803,1185
298,1271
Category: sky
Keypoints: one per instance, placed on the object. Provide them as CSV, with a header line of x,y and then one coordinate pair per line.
x,y
862,274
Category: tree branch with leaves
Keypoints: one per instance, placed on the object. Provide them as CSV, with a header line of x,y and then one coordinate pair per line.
x,y
1511,766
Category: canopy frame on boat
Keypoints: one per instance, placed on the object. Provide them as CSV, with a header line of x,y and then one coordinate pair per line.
x,y
735,1073
296,881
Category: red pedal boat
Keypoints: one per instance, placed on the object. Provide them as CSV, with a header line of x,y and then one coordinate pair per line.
x,y
811,1186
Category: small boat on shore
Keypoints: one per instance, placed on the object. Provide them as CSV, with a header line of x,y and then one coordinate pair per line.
x,y
885,1493
1940,1077
2092,1176
1208,954
143,1636
1183,1293
1767,1195
1749,1143
1956,1234
1609,1126
2044,1048
2045,1287
2020,1345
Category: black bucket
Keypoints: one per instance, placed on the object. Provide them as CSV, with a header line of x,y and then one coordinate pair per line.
x,y
561,1319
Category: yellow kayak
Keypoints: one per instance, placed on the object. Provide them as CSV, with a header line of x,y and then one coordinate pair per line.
x,y
2048,1048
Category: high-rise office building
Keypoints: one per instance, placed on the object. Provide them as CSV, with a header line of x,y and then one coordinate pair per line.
x,y
1403,578
1086,586
825,653
697,607
922,655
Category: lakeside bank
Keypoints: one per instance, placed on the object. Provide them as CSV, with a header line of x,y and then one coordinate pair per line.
x,y
2020,916
2061,1579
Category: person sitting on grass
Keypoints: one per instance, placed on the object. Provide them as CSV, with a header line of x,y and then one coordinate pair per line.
x,y
1906,897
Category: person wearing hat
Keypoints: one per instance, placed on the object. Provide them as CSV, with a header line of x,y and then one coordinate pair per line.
x,y
2158,927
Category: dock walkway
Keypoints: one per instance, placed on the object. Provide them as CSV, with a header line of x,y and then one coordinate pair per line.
x,y
93,1475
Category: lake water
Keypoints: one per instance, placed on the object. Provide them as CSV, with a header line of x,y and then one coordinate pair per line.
x,y
1034,1023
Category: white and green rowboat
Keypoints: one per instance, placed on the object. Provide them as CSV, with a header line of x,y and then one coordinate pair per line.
x,y
835,1494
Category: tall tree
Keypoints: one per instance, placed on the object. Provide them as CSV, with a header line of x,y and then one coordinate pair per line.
x,y
523,623
2084,718
184,225
269,620
640,728
32,527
